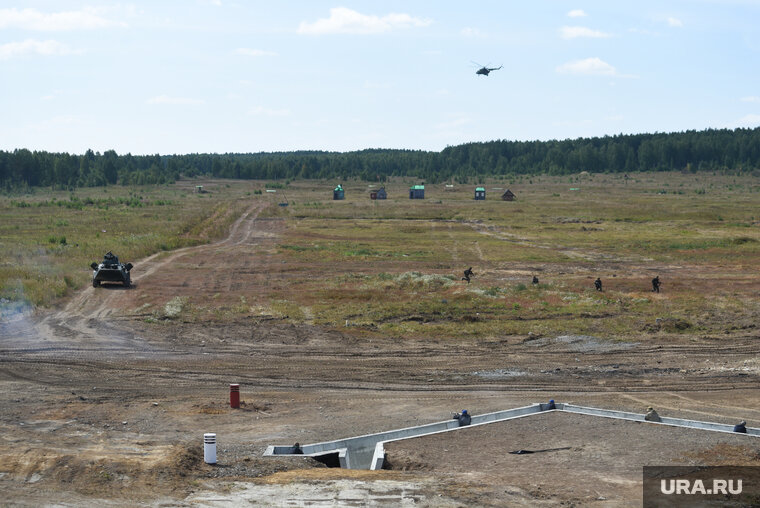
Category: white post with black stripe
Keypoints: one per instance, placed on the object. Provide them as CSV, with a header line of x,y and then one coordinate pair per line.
x,y
209,448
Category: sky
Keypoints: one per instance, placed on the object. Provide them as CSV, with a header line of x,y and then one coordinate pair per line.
x,y
222,76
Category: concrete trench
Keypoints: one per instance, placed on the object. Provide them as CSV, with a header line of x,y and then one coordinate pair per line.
x,y
368,452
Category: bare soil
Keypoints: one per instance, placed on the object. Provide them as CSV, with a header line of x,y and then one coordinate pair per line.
x,y
105,401
575,458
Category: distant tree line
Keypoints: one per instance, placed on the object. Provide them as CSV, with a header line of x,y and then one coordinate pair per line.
x,y
23,168
709,150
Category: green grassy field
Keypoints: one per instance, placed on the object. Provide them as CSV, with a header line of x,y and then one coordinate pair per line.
x,y
48,239
393,267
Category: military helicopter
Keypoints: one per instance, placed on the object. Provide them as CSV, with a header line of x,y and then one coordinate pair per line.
x,y
485,70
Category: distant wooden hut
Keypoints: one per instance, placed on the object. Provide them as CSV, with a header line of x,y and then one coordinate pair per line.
x,y
378,194
417,192
508,195
338,193
480,193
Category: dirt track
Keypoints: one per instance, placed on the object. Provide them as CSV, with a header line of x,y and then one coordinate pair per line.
x,y
101,402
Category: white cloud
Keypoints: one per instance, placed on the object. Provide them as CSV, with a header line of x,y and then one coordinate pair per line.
x,y
376,85
674,22
575,123
62,120
33,47
750,120
576,13
52,95
571,32
348,21
32,19
644,31
471,32
56,122
752,98
453,123
589,66
254,52
261,111
166,99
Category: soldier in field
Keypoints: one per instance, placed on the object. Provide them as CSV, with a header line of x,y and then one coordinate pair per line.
x,y
463,418
652,415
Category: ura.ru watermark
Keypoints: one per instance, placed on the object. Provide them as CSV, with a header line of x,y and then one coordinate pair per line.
x,y
693,487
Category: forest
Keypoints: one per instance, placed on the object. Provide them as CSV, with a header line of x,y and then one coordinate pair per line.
x,y
736,150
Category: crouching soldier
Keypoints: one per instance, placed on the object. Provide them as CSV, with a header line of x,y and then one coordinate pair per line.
x,y
598,284
652,415
463,418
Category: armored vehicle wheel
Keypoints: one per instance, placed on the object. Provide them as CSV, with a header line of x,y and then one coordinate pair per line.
x,y
127,281
95,283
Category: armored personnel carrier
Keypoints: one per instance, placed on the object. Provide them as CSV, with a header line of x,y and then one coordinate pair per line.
x,y
111,270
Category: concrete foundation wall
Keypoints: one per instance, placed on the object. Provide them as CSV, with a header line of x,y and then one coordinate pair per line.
x,y
677,422
360,450
367,451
